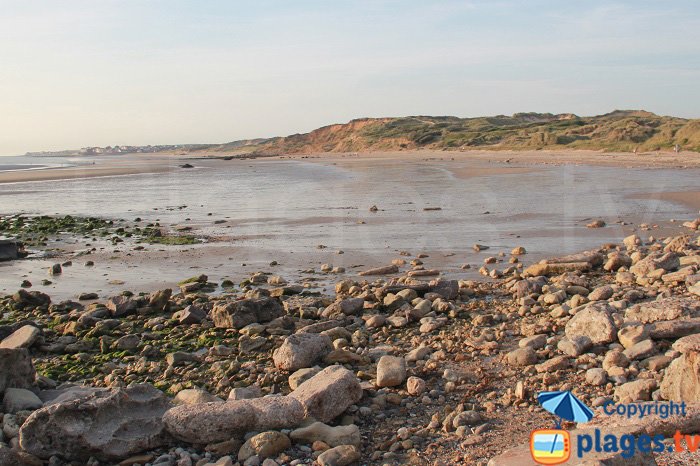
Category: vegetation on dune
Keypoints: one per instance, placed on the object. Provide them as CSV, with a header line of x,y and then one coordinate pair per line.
x,y
616,131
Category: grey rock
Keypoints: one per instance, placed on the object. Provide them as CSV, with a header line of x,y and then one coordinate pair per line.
x,y
329,393
216,422
238,314
594,322
301,350
391,371
120,306
16,369
342,455
109,425
20,399
333,436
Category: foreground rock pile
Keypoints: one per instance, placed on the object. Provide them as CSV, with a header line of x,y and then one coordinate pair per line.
x,y
406,368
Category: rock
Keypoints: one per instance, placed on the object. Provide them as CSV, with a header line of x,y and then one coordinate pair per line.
x,y
216,422
11,250
120,306
301,350
108,424
391,371
264,445
673,329
332,436
596,224
328,393
386,270
640,350
631,241
244,393
179,358
415,386
192,314
594,322
159,299
596,376
522,357
601,293
23,337
557,363
19,399
191,396
127,342
55,269
632,334
31,298
16,369
535,342
695,289
345,307
654,261
342,455
681,381
448,289
302,375
87,296
663,309
238,314
575,346
639,390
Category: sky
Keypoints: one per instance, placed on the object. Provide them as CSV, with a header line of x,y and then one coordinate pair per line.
x,y
79,73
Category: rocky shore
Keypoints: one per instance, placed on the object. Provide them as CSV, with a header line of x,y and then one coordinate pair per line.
x,y
397,367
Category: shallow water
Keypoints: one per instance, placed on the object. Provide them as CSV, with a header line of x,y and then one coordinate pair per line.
x,y
294,206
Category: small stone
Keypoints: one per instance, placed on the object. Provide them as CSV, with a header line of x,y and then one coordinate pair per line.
x,y
596,376
391,371
415,386
264,445
522,357
342,455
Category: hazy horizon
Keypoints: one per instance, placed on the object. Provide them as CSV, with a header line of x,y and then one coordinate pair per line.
x,y
125,72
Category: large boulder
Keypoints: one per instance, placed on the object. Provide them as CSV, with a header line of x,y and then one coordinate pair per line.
x,y
345,307
328,393
120,306
216,422
16,369
10,250
105,424
594,322
31,298
301,350
663,309
654,261
681,380
238,314
23,337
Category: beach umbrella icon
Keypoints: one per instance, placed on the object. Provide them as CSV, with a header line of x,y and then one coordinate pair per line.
x,y
565,405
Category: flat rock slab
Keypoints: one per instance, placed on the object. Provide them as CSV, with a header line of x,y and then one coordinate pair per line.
x,y
23,337
216,422
106,424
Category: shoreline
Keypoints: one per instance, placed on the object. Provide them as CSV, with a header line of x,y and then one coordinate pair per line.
x,y
133,164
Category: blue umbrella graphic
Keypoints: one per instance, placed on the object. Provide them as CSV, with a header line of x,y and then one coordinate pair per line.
x,y
565,405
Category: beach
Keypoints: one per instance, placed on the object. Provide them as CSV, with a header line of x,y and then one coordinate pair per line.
x,y
441,291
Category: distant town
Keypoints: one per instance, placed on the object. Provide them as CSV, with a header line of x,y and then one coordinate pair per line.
x,y
113,150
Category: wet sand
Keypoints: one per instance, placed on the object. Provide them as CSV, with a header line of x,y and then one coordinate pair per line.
x,y
481,163
687,198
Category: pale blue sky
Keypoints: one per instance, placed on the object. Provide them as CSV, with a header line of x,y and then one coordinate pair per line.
x,y
75,73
